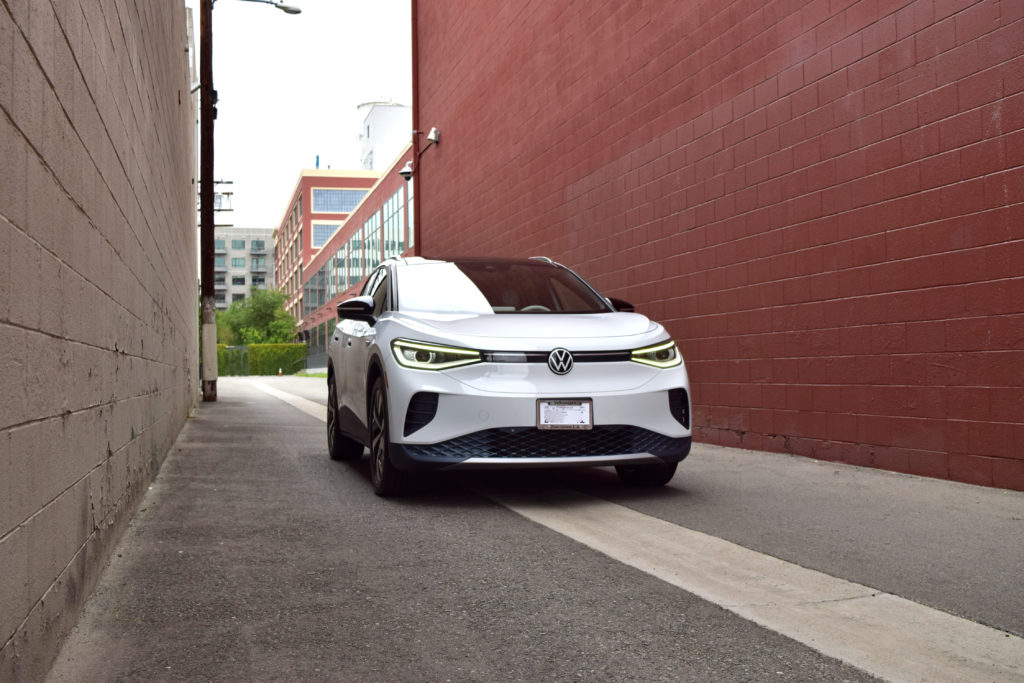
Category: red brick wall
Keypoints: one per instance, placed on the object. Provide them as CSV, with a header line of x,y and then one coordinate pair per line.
x,y
824,202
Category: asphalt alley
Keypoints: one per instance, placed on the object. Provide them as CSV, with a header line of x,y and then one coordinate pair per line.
x,y
840,618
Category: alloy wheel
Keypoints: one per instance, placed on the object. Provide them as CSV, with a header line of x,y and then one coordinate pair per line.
x,y
332,415
378,435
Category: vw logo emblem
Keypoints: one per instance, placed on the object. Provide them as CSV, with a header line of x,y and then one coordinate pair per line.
x,y
560,361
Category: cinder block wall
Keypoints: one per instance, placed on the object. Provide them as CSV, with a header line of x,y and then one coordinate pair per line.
x,y
98,295
823,200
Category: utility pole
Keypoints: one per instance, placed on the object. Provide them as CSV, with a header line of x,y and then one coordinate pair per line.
x,y
207,113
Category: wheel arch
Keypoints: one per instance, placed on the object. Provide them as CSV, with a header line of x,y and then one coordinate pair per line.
x,y
374,370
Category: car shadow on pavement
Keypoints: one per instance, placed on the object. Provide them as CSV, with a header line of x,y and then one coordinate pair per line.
x,y
475,488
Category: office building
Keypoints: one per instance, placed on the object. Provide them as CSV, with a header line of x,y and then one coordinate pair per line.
x,y
320,204
243,259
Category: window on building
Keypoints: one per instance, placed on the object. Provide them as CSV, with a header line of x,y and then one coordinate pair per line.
x,y
322,232
259,281
355,260
408,203
332,283
238,262
341,269
218,279
394,226
219,297
237,297
238,244
259,245
238,279
259,263
219,245
327,200
371,240
218,261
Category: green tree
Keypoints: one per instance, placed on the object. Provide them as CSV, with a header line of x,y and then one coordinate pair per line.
x,y
259,318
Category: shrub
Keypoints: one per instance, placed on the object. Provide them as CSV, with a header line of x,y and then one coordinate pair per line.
x,y
260,359
266,359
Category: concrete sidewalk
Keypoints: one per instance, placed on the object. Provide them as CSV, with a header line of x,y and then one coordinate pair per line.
x,y
230,570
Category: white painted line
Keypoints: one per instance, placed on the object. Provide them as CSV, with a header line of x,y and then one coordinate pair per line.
x,y
885,635
882,634
313,408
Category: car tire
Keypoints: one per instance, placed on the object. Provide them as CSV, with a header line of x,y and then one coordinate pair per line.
x,y
646,475
339,446
387,479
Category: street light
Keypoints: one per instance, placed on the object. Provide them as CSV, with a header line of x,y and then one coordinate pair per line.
x,y
207,113
287,9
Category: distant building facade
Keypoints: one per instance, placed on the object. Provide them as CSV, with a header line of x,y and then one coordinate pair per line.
x,y
319,206
243,259
383,225
387,129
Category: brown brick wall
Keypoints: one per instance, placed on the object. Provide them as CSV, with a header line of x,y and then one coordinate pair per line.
x,y
823,200
98,296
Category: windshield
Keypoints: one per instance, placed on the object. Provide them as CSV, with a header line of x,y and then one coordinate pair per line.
x,y
488,287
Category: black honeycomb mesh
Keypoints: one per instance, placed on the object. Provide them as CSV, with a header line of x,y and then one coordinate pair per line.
x,y
549,443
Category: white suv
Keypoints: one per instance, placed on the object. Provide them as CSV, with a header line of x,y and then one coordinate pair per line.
x,y
499,363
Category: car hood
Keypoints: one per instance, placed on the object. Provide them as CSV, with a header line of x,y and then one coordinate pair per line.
x,y
540,331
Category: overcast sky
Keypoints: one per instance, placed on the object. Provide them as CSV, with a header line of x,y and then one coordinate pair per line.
x,y
288,88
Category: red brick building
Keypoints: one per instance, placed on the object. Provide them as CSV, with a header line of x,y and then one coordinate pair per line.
x,y
320,205
382,224
824,202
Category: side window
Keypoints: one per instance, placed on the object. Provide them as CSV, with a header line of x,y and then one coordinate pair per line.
x,y
380,295
371,283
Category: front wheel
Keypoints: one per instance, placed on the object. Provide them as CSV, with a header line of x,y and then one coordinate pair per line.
x,y
339,446
387,480
646,475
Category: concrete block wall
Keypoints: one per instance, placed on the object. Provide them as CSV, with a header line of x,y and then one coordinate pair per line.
x,y
98,294
823,200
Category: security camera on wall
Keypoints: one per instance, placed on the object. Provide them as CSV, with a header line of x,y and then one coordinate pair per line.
x,y
406,171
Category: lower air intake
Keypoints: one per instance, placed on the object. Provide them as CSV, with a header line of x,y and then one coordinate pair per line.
x,y
544,443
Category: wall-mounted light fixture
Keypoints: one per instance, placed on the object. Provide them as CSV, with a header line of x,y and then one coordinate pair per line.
x,y
433,138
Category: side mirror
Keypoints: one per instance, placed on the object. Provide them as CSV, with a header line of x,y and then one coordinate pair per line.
x,y
620,305
360,308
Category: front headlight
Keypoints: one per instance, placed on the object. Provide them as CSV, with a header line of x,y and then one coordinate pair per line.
x,y
432,356
664,355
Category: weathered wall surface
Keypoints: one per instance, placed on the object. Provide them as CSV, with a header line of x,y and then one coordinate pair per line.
x,y
824,200
98,296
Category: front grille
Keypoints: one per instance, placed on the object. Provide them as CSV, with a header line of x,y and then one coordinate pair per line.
x,y
542,356
530,442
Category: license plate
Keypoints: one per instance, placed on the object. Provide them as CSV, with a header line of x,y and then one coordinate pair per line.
x,y
565,414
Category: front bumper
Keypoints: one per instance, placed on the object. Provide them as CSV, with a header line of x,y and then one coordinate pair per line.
x,y
486,417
